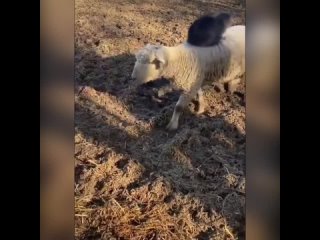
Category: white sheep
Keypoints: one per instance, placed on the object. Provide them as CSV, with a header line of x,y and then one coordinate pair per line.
x,y
190,67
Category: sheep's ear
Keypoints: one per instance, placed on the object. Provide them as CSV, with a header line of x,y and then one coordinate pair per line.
x,y
160,56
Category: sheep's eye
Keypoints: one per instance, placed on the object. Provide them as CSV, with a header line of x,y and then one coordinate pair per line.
x,y
157,63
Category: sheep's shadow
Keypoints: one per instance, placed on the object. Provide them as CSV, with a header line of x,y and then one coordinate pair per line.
x,y
207,146
112,75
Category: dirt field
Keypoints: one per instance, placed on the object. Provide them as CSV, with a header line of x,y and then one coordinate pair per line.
x,y
133,179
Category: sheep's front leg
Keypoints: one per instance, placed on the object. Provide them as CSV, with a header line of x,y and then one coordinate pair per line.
x,y
179,108
201,102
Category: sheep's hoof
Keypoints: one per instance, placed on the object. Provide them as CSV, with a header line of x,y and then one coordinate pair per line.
x,y
200,111
172,126
232,89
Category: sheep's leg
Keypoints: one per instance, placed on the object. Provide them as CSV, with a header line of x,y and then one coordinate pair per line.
x,y
179,108
233,85
201,102
219,86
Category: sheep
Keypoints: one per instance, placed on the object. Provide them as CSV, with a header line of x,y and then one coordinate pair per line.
x,y
191,67
207,30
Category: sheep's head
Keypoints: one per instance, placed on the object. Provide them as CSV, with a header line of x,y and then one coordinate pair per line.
x,y
149,64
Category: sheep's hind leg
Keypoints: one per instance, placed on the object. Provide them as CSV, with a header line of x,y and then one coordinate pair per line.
x,y
201,102
233,85
179,108
219,86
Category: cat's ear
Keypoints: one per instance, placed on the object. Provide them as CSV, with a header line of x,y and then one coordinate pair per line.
x,y
224,18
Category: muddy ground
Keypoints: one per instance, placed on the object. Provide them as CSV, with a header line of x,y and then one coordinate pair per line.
x,y
133,179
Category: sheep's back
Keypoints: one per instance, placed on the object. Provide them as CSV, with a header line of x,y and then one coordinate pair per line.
x,y
225,61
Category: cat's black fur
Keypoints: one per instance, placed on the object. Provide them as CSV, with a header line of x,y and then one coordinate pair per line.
x,y
207,30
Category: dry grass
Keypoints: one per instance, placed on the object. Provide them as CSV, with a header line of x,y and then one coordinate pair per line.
x,y
133,180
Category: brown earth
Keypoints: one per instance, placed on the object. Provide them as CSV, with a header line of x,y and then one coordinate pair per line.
x,y
133,179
